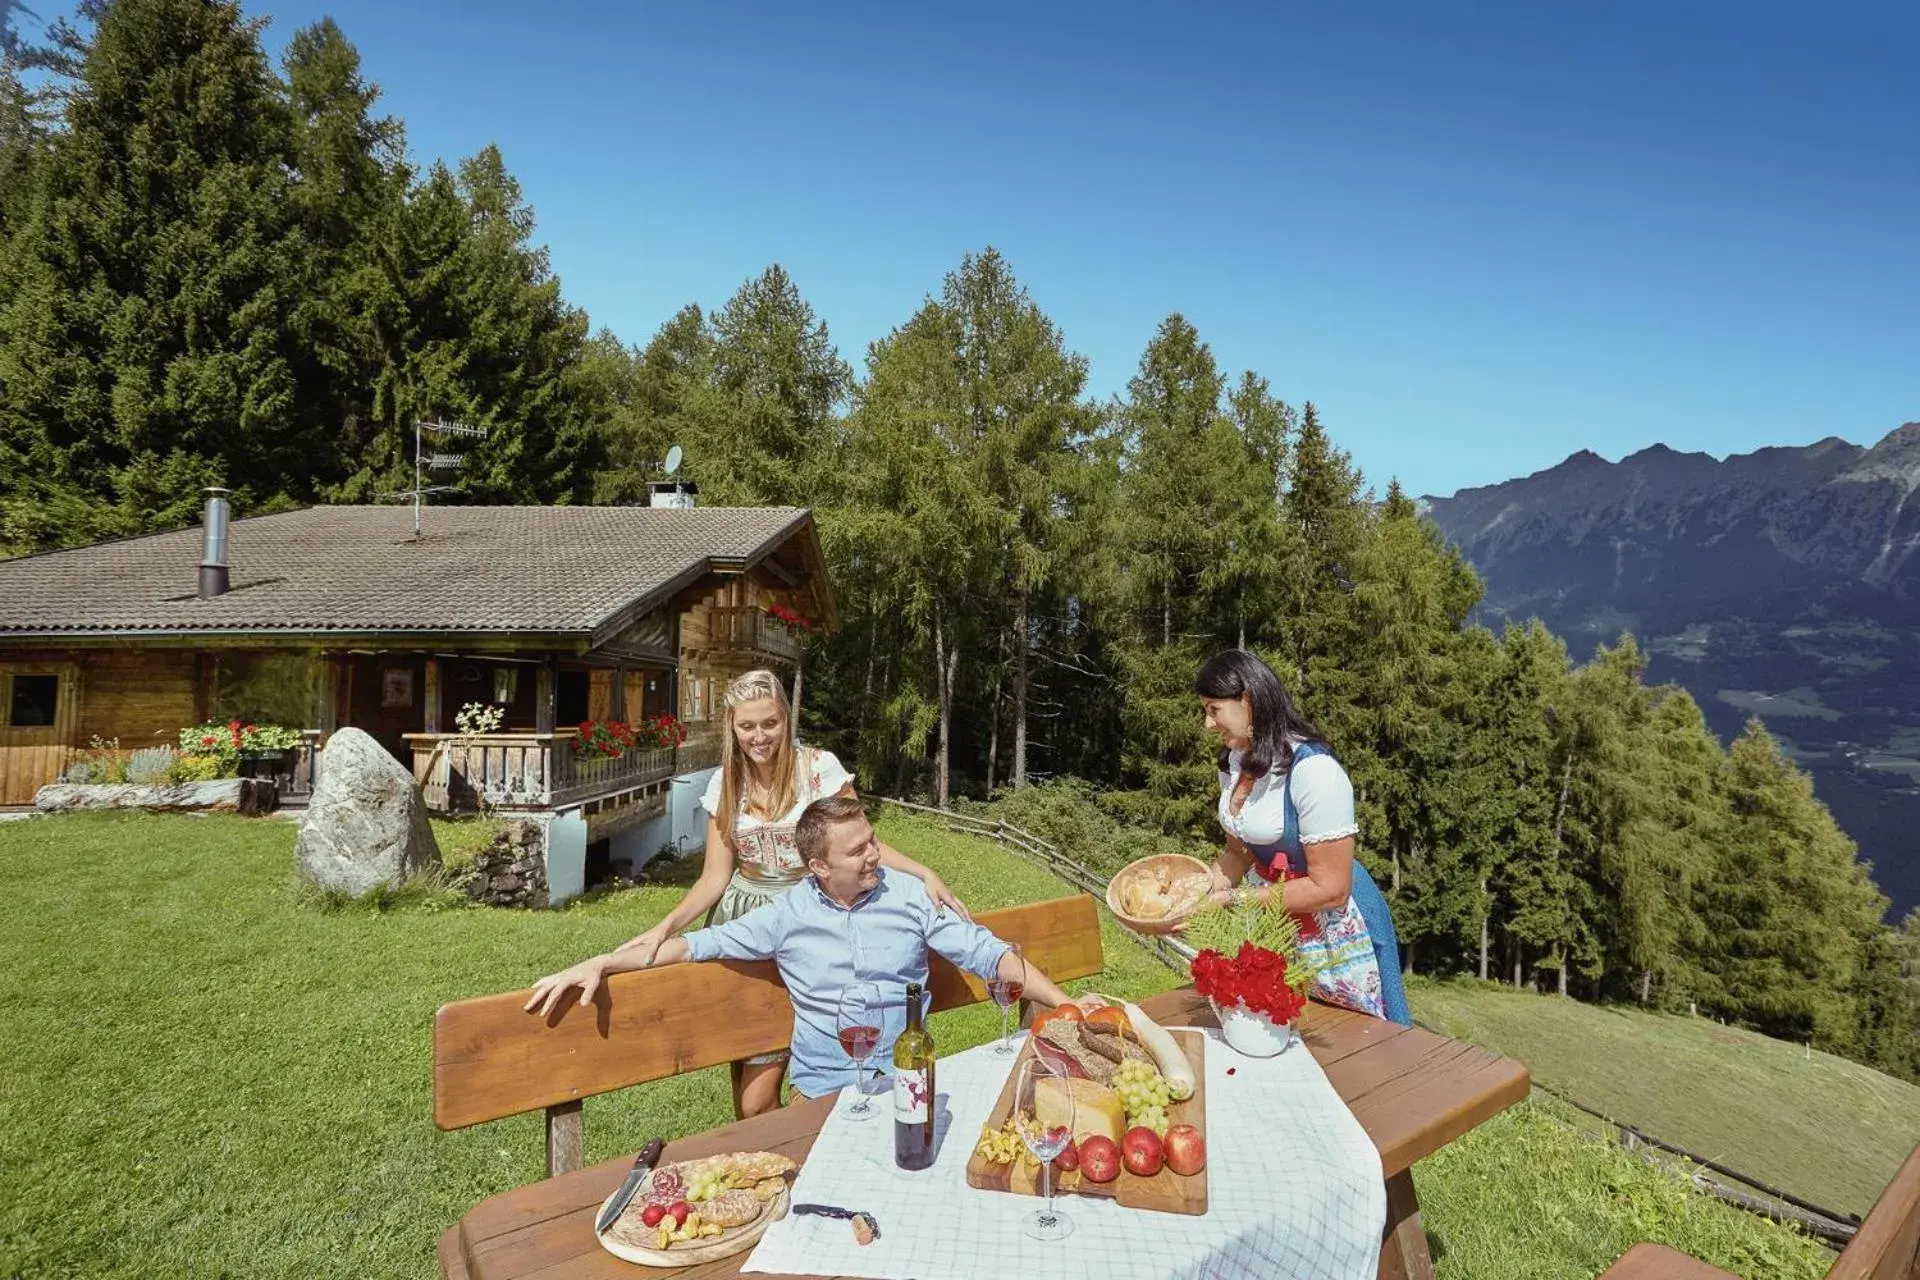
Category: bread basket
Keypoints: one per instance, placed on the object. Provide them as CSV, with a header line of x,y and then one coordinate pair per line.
x,y
1179,864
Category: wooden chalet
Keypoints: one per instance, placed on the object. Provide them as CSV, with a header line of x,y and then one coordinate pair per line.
x,y
335,616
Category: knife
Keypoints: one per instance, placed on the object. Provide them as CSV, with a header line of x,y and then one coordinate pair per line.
x,y
642,1166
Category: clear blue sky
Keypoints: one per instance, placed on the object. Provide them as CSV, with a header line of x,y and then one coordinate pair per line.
x,y
1479,235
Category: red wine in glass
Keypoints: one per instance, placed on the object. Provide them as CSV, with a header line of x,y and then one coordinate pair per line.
x,y
859,1042
857,1022
1006,990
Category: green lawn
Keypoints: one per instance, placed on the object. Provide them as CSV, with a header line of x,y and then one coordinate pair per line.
x,y
1527,1196
1828,1130
209,1076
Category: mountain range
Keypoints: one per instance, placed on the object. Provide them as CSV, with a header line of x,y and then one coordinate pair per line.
x,y
1783,583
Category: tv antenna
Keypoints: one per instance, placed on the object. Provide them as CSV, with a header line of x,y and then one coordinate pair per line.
x,y
425,463
672,464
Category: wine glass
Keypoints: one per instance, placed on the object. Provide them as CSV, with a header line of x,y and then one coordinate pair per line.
x,y
858,1021
1043,1116
1006,993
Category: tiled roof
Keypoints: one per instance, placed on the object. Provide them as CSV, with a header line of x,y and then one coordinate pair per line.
x,y
541,569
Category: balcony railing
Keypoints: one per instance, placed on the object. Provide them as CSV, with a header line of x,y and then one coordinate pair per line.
x,y
459,773
752,631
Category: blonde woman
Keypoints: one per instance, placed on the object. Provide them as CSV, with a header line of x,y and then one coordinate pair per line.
x,y
765,780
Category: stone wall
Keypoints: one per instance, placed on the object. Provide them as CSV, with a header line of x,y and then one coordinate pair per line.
x,y
512,870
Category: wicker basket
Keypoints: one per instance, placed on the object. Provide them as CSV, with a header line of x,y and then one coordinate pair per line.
x,y
1179,863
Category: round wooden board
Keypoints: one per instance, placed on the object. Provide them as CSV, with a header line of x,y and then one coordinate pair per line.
x,y
724,1245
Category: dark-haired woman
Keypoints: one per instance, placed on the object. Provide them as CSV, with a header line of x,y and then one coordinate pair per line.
x,y
1287,808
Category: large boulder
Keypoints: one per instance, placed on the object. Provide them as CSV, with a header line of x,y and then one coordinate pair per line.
x,y
366,825
250,796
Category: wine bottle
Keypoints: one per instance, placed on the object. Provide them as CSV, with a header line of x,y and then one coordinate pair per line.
x,y
913,1098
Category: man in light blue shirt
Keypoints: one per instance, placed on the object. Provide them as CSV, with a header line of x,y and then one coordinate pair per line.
x,y
852,922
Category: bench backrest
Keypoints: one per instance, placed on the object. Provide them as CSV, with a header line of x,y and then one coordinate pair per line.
x,y
493,1059
1887,1246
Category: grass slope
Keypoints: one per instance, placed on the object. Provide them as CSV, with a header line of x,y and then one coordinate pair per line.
x,y
1828,1130
208,1076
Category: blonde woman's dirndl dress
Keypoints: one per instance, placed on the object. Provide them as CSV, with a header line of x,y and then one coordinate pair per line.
x,y
765,862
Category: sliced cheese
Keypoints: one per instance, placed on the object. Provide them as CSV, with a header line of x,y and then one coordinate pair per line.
x,y
1096,1108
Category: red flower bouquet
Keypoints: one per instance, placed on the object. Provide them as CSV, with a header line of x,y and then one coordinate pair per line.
x,y
1255,979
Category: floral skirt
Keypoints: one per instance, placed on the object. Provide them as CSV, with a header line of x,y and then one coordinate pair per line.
x,y
746,893
1344,946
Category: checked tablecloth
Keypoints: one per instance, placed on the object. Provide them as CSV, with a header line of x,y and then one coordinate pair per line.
x,y
1294,1192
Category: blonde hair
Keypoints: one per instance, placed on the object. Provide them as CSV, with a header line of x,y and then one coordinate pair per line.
x,y
734,769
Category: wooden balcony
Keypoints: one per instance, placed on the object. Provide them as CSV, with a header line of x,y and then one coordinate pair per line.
x,y
751,633
702,749
461,773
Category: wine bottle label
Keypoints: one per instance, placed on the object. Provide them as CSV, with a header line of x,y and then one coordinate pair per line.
x,y
911,1096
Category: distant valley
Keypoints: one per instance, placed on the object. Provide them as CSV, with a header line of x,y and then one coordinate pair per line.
x,y
1783,583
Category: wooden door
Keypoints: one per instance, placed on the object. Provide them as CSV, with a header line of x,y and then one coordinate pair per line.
x,y
39,706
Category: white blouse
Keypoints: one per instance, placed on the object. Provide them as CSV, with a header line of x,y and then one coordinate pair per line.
x,y
1322,796
768,845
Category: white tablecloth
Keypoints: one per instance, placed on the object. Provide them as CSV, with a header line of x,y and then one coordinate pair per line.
x,y
1294,1190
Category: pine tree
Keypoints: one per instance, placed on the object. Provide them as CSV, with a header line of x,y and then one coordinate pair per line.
x,y
904,526
1258,553
1787,905
1537,891
22,142
650,399
144,342
1024,421
765,433
473,327
349,191
1181,456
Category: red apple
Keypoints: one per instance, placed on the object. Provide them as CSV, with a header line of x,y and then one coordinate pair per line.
x,y
1186,1149
1069,1159
1099,1159
1144,1154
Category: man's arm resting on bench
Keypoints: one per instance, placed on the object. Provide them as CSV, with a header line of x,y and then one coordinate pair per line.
x,y
590,973
753,936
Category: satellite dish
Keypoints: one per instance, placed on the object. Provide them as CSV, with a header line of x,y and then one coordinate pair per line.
x,y
672,463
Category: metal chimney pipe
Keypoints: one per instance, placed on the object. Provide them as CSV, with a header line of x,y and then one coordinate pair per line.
x,y
213,554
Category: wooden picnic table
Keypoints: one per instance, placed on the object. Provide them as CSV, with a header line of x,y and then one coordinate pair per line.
x,y
1413,1092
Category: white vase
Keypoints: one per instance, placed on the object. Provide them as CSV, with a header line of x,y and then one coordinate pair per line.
x,y
1251,1032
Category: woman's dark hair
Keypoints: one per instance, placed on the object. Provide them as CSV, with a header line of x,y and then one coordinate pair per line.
x,y
1276,724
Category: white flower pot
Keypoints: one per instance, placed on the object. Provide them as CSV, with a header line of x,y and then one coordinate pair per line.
x,y
1251,1032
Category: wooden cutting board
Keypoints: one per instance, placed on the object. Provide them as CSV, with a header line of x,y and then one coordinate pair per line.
x,y
1165,1192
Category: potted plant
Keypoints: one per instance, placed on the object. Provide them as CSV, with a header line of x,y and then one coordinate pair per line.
x,y
479,717
604,740
241,749
794,619
661,732
1250,968
266,750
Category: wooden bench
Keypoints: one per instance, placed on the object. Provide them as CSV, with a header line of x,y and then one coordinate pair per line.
x,y
1887,1246
492,1059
